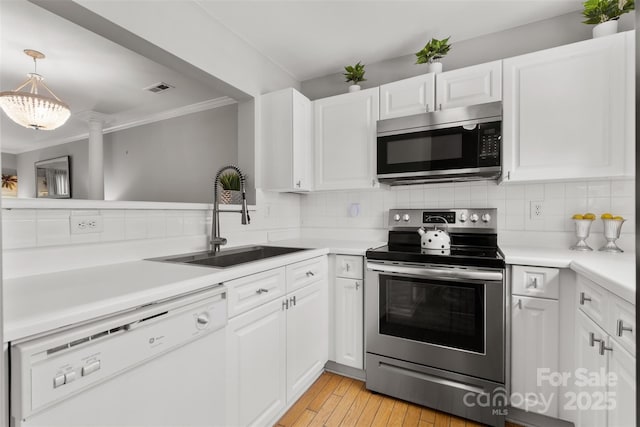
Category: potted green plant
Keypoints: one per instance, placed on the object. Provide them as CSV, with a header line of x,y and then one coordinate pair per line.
x,y
355,74
432,53
230,183
604,14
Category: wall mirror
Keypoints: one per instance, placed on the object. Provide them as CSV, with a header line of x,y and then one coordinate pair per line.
x,y
53,178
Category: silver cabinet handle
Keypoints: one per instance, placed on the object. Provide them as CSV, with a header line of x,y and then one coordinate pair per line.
x,y
203,320
427,108
508,175
357,285
347,267
285,305
298,184
583,298
604,348
292,301
519,304
533,283
309,273
440,107
621,328
261,290
593,340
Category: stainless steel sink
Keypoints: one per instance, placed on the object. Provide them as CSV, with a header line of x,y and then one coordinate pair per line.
x,y
230,257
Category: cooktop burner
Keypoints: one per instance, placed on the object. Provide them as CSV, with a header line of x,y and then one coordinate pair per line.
x,y
472,232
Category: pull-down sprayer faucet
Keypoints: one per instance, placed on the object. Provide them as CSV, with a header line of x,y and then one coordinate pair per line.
x,y
216,241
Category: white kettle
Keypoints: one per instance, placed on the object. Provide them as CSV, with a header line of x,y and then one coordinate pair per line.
x,y
436,238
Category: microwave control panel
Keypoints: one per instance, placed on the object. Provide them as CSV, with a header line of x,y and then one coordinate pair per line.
x,y
489,147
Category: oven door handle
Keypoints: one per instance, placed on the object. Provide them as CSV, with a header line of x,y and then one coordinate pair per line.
x,y
437,273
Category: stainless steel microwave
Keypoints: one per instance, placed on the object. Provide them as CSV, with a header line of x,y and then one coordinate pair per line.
x,y
457,144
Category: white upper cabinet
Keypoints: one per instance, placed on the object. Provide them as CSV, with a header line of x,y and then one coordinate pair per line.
x,y
566,111
470,85
286,141
406,97
345,140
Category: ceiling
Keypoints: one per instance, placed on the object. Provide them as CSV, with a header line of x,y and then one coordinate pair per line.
x,y
310,39
87,71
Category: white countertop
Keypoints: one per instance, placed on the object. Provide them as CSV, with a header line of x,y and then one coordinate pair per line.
x,y
614,272
45,302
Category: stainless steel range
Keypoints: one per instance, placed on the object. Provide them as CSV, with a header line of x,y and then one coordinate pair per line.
x,y
435,313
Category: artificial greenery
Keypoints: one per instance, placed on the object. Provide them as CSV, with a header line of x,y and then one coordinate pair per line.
x,y
599,11
354,73
433,51
230,181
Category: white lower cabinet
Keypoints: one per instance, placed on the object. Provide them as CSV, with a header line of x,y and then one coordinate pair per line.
x,y
349,325
276,350
534,345
256,368
609,399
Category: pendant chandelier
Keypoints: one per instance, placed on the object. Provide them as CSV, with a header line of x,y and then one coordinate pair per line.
x,y
32,109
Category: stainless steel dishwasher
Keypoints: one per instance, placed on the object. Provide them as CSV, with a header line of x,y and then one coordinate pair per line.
x,y
157,365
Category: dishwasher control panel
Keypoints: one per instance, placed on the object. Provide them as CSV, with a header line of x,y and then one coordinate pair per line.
x,y
47,376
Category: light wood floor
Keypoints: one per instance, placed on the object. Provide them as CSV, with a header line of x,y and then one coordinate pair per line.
x,y
334,400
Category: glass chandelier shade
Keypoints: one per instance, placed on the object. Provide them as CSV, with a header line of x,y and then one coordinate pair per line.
x,y
32,109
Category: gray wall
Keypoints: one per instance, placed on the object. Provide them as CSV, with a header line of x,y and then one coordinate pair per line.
x,y
557,31
9,164
78,150
173,160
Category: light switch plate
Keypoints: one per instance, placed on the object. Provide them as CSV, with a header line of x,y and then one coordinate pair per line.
x,y
84,224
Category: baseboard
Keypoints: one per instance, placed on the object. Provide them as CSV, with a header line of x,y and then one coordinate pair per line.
x,y
344,370
532,419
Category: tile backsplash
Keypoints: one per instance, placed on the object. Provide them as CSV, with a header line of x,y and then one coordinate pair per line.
x,y
560,200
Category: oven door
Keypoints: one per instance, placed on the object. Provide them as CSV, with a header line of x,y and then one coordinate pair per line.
x,y
451,318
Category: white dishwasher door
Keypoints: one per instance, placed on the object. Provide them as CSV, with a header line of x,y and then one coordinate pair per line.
x,y
160,365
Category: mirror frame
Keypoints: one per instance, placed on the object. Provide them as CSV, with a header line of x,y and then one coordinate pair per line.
x,y
39,164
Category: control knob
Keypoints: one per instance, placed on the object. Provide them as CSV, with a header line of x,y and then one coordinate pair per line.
x,y
486,217
396,217
405,217
463,218
202,321
474,218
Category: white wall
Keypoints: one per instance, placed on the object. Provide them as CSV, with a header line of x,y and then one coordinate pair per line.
x,y
557,31
173,160
326,214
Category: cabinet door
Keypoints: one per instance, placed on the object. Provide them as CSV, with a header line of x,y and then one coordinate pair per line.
x,y
623,365
534,331
345,140
407,97
302,147
589,361
349,327
471,85
256,346
307,337
286,141
565,111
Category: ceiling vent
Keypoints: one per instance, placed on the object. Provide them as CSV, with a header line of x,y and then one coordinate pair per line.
x,y
159,87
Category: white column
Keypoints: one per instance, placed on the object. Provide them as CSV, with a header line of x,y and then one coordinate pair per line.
x,y
96,160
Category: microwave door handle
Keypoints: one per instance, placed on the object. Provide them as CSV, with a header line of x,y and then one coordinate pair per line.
x,y
437,273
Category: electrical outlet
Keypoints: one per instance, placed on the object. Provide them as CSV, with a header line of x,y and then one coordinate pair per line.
x,y
536,210
84,224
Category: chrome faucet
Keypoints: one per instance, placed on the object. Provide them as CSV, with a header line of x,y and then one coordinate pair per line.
x,y
216,241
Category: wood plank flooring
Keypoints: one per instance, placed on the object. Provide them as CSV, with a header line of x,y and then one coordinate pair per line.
x,y
334,400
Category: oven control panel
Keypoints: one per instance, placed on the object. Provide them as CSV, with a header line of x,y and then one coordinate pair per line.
x,y
484,219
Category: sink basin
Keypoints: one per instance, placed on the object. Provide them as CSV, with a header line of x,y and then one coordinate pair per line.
x,y
230,257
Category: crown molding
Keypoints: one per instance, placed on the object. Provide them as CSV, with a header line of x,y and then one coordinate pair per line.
x,y
114,125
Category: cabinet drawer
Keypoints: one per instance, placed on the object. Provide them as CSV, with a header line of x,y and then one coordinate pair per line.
x,y
248,292
536,281
621,323
349,267
304,273
592,300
